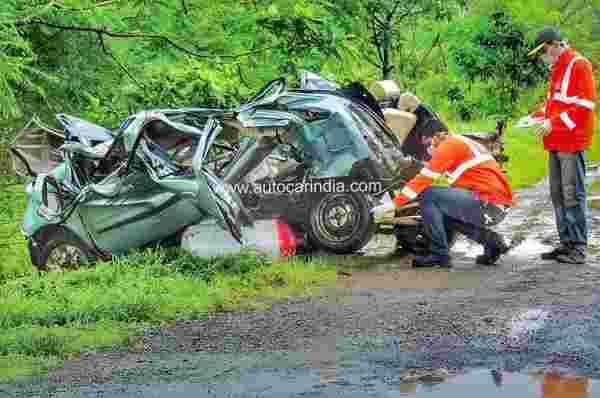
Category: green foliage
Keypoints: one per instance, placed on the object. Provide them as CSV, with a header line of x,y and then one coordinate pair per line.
x,y
104,62
57,341
13,250
494,45
134,288
17,60
19,367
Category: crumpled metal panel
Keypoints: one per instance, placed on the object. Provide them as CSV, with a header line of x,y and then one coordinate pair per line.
x,y
312,81
86,131
35,149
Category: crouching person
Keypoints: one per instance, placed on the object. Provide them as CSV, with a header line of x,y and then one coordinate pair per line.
x,y
478,197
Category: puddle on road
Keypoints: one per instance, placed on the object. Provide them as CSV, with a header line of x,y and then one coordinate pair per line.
x,y
492,384
528,321
529,248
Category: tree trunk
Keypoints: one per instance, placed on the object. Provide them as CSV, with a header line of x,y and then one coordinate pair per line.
x,y
386,50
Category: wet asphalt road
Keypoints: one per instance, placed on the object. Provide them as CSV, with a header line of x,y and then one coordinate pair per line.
x,y
383,331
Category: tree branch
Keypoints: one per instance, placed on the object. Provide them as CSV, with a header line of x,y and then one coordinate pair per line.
x,y
573,12
186,10
393,12
565,5
138,35
378,21
241,75
377,43
118,62
372,61
110,33
435,43
90,8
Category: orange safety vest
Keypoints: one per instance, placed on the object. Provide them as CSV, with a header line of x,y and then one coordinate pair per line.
x,y
557,386
468,165
570,104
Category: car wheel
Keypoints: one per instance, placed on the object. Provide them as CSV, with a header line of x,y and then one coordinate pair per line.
x,y
63,251
340,222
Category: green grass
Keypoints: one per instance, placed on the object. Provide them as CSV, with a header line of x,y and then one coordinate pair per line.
x,y
14,258
47,318
17,367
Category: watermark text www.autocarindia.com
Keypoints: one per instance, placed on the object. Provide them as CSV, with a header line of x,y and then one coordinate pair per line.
x,y
328,186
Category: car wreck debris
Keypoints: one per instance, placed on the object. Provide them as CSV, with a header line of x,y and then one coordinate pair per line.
x,y
274,238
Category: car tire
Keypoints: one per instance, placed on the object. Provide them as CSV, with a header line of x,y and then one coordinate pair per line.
x,y
63,251
340,222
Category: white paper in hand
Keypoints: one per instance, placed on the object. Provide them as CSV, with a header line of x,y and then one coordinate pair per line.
x,y
528,121
381,212
386,198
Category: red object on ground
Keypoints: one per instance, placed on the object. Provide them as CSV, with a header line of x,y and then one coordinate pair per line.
x,y
275,238
288,242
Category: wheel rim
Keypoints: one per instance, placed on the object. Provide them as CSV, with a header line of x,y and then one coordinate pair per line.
x,y
65,257
338,218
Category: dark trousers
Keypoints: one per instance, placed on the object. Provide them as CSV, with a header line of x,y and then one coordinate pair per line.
x,y
456,209
567,190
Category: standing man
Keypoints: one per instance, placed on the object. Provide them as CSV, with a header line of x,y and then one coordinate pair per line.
x,y
478,198
568,122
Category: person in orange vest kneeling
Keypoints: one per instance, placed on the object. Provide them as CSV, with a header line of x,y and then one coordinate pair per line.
x,y
478,198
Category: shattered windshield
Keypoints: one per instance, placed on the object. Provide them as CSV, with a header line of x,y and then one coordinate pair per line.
x,y
382,146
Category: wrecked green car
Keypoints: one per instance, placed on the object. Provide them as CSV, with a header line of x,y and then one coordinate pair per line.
x,y
316,159
122,193
103,192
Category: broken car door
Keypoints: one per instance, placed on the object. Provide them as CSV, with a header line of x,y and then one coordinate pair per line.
x,y
130,208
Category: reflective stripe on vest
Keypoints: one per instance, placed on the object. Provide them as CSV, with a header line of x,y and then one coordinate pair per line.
x,y
409,193
563,97
566,119
481,155
428,173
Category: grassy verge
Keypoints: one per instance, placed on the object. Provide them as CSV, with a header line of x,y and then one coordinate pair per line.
x,y
13,250
48,318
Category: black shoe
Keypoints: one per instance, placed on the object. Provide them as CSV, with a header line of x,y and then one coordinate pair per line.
x,y
492,250
560,250
573,256
432,260
401,252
